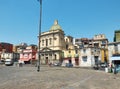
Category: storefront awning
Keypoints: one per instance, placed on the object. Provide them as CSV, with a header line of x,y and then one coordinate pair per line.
x,y
115,58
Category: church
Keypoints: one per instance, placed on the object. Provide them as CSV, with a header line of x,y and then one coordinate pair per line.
x,y
52,44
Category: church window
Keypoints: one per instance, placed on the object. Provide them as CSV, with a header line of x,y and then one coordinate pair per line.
x,y
50,41
42,42
46,42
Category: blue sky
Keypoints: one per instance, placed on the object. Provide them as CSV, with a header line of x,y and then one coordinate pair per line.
x,y
19,19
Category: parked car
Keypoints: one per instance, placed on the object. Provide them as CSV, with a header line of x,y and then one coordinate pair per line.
x,y
96,67
8,62
69,65
103,65
2,61
57,64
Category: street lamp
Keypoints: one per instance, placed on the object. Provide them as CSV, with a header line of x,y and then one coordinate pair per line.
x,y
38,67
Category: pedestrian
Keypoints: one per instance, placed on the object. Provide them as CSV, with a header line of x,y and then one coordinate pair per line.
x,y
50,64
110,67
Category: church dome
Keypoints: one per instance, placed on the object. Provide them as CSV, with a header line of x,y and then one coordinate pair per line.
x,y
55,26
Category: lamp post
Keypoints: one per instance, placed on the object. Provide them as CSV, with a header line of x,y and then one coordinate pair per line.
x,y
38,66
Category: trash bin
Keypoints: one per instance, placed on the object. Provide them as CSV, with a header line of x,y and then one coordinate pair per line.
x,y
106,70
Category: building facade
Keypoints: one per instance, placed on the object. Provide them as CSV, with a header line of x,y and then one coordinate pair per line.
x,y
52,44
89,57
71,52
29,54
89,54
114,49
92,51
101,42
5,48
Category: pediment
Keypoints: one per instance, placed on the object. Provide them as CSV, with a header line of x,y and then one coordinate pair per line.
x,y
46,49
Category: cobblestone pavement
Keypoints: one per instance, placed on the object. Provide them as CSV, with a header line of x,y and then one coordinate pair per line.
x,y
27,77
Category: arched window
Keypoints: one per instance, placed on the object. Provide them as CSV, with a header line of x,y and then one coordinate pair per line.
x,y
66,40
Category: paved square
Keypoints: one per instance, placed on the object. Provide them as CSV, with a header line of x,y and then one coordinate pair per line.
x,y
27,77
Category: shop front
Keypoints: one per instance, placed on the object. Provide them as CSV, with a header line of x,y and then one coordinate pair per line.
x,y
115,61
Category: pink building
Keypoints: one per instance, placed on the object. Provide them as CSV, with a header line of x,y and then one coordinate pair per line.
x,y
29,54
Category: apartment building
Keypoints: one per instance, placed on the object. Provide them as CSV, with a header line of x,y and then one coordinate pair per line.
x,y
92,51
114,50
5,48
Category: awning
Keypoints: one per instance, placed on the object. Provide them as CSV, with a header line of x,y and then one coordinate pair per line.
x,y
115,58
